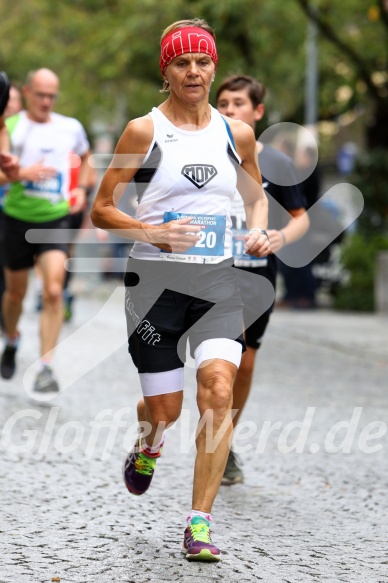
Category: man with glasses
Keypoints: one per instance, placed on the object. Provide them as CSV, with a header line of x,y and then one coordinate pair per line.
x,y
39,199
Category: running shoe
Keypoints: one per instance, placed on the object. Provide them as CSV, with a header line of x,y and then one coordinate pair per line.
x,y
197,544
138,469
67,306
8,364
45,382
233,474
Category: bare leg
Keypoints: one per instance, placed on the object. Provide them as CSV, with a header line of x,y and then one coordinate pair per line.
x,y
156,413
51,264
214,398
16,287
243,382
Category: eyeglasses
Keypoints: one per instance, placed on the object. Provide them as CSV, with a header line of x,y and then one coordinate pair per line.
x,y
49,96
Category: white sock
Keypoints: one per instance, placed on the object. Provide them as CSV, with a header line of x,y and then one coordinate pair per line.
x,y
14,342
154,449
204,515
38,283
44,363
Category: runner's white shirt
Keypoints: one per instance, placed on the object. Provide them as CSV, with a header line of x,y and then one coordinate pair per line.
x,y
50,143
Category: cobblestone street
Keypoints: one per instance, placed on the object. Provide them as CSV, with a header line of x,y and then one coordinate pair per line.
x,y
314,503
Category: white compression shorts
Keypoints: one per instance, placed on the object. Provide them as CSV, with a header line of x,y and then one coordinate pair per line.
x,y
172,381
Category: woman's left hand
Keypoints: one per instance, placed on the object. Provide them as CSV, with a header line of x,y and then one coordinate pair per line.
x,y
257,244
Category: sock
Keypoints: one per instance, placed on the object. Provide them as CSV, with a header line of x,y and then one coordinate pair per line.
x,y
38,284
205,515
151,451
44,363
12,341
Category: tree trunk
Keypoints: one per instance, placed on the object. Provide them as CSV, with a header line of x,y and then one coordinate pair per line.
x,y
377,129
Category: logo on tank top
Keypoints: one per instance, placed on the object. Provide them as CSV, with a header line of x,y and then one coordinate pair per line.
x,y
170,138
199,174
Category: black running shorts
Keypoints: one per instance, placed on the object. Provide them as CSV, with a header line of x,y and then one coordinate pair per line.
x,y
19,253
164,300
257,294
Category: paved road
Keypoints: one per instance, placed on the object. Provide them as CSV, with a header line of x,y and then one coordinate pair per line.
x,y
313,507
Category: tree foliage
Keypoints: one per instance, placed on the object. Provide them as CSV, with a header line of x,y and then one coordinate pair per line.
x,y
356,34
106,51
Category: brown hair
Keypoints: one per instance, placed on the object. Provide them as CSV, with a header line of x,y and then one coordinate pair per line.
x,y
200,22
256,90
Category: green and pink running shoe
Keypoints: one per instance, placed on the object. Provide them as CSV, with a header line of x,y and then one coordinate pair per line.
x,y
138,469
197,544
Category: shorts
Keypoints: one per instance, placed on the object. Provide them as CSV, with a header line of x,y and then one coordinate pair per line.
x,y
164,302
19,253
254,334
1,238
257,294
75,220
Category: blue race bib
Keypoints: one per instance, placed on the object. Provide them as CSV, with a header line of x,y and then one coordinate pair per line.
x,y
241,259
50,189
212,238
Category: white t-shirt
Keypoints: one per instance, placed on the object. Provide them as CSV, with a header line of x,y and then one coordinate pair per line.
x,y
52,144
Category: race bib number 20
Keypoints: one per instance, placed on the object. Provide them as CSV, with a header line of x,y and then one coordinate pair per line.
x,y
212,238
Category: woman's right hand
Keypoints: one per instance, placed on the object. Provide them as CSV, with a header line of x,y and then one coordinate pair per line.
x,y
175,236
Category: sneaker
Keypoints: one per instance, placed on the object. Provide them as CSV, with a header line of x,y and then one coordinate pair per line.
x,y
138,470
197,544
233,474
45,381
8,365
67,306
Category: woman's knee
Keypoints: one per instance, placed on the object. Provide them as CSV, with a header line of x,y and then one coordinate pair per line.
x,y
215,389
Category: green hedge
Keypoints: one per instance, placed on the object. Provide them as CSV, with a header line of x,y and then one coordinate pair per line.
x,y
359,251
358,257
371,178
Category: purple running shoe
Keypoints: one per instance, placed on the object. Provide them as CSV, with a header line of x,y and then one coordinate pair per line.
x,y
197,544
138,469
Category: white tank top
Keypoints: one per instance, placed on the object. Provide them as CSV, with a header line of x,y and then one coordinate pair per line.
x,y
188,173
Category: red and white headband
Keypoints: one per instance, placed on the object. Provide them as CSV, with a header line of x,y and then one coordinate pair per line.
x,y
190,39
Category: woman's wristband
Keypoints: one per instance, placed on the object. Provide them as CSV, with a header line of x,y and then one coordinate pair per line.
x,y
283,237
262,231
